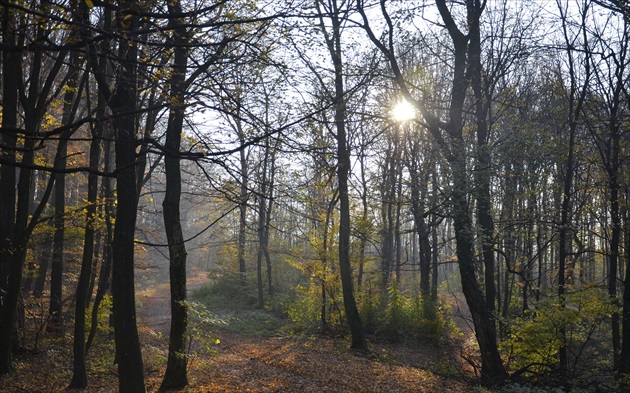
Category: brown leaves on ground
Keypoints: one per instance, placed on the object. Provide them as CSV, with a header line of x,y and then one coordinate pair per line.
x,y
257,364
246,363
313,364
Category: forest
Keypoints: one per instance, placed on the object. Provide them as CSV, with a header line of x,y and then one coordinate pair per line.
x,y
315,196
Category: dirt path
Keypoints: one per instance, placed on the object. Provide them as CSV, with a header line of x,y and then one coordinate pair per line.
x,y
247,363
294,364
154,311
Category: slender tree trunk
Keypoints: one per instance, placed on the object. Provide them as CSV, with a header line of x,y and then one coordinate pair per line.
x,y
269,207
262,221
105,272
79,370
483,320
484,157
364,223
55,323
418,190
79,377
176,374
243,200
434,243
343,171
397,235
98,246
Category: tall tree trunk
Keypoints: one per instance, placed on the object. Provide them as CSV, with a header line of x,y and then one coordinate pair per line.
x,y
418,186
434,242
483,320
492,369
55,323
243,200
364,223
262,221
101,67
105,272
11,64
576,97
387,213
484,158
343,170
122,102
79,369
176,375
269,207
79,376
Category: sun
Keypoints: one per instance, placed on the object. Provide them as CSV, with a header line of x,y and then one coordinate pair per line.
x,y
404,111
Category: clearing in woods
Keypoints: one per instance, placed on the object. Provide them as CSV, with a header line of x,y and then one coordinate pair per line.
x,y
241,362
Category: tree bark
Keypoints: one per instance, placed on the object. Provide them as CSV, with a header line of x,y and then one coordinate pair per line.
x,y
333,41
454,148
55,323
122,102
176,375
10,69
105,272
243,200
262,222
79,369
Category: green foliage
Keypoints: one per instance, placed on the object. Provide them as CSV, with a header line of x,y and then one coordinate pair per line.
x,y
104,310
413,317
226,292
370,310
397,315
536,338
305,308
201,339
225,305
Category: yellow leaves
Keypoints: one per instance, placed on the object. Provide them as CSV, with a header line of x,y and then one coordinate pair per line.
x,y
126,21
89,3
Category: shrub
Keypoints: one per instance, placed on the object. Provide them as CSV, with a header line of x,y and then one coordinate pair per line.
x,y
536,337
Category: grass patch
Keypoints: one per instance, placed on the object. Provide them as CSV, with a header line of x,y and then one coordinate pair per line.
x,y
230,307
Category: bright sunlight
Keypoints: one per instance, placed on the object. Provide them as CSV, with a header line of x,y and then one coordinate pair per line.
x,y
404,111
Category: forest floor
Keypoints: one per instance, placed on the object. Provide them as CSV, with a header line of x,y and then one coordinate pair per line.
x,y
225,360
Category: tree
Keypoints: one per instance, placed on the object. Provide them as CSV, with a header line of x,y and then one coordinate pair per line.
x,y
70,107
332,11
122,102
449,136
79,371
176,374
18,223
576,95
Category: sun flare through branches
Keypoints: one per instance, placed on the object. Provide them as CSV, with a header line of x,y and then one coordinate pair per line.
x,y
403,111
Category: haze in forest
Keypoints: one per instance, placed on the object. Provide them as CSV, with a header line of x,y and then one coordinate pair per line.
x,y
217,195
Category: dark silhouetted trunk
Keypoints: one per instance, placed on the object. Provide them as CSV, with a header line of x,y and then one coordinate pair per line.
x,y
176,376
123,101
10,70
333,42
262,222
105,271
55,323
79,369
